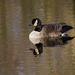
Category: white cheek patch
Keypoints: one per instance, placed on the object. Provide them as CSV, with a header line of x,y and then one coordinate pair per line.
x,y
35,24
36,50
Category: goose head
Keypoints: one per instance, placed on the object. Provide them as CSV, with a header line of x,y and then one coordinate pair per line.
x,y
36,22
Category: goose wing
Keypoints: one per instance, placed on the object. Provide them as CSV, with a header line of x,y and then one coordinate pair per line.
x,y
64,27
57,27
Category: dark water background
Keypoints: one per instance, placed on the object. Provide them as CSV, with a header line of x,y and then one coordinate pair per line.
x,y
15,56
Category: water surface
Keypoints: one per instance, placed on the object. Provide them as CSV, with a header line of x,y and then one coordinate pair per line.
x,y
15,56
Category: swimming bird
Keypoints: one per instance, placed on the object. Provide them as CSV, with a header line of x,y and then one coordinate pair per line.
x,y
48,30
48,35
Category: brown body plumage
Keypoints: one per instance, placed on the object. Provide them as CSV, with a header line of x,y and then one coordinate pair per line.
x,y
54,30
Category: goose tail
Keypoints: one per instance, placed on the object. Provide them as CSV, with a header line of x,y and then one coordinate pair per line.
x,y
66,28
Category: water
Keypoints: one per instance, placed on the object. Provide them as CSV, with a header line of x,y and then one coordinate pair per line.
x,y
15,56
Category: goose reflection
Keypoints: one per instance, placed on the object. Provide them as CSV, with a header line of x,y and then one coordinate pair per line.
x,y
48,42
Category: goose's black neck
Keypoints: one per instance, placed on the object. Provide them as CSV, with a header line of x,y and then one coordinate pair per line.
x,y
38,28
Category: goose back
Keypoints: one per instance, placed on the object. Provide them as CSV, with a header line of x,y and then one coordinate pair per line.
x,y
55,30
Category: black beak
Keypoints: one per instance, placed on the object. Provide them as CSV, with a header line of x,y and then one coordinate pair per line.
x,y
30,25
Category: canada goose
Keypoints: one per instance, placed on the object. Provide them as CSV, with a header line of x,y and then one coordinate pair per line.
x,y
48,35
48,30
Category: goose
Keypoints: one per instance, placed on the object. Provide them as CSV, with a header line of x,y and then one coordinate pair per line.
x,y
48,35
48,30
